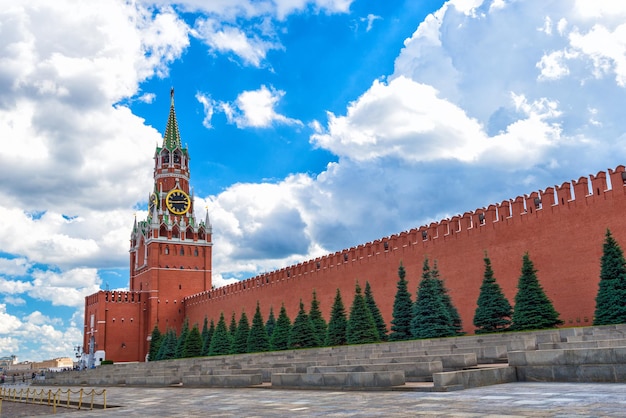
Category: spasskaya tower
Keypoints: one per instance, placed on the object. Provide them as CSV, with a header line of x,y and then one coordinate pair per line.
x,y
170,258
170,252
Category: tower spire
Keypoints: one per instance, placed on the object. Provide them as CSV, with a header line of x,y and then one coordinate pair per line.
x,y
171,137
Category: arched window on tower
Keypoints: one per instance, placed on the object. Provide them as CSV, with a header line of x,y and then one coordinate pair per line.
x,y
166,250
175,232
195,252
182,250
165,157
201,234
163,231
177,157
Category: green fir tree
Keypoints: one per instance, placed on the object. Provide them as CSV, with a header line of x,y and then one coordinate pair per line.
x,y
232,328
205,330
493,311
155,343
271,322
167,350
455,318
611,296
533,309
431,318
180,344
258,340
381,326
361,328
302,333
317,320
280,336
402,310
193,343
240,342
206,341
220,342
336,334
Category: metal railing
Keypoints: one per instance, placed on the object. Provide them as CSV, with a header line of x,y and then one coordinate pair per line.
x,y
60,397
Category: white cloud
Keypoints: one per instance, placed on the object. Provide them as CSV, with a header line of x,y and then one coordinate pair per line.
x,y
553,65
67,288
208,106
256,108
8,323
15,301
251,48
14,266
605,48
370,19
405,120
231,9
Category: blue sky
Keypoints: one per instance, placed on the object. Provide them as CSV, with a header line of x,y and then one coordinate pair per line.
x,y
313,125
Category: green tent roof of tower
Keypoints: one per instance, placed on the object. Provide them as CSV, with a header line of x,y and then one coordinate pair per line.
x,y
171,137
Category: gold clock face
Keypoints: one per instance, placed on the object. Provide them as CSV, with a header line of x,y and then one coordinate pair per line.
x,y
177,202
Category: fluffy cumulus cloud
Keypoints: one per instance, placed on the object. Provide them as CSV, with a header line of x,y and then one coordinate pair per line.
x,y
256,109
52,340
251,48
259,225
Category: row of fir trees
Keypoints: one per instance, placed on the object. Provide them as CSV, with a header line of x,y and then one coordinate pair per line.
x,y
363,324
432,315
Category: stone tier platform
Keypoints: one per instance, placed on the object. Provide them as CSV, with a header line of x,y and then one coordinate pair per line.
x,y
591,354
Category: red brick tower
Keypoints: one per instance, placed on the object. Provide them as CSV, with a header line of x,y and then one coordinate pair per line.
x,y
170,252
170,258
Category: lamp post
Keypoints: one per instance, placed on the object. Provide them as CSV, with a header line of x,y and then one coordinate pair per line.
x,y
78,350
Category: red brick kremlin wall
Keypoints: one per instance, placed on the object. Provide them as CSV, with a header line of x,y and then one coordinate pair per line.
x,y
563,236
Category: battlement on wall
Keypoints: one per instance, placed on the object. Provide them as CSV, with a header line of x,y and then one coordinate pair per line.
x,y
584,191
115,296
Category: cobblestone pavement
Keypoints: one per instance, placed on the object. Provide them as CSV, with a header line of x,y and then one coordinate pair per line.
x,y
17,409
507,400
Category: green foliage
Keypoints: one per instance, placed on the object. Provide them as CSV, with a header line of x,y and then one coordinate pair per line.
x,y
611,296
271,322
431,317
493,313
220,342
336,334
168,346
402,310
361,328
155,343
205,330
105,362
381,327
302,333
232,328
533,309
455,318
193,343
240,342
317,320
280,336
206,341
258,340
180,344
